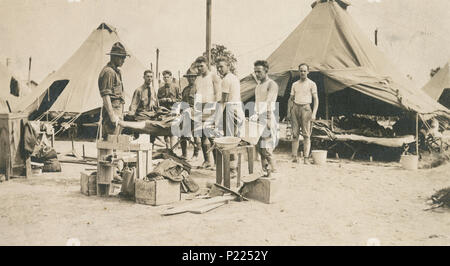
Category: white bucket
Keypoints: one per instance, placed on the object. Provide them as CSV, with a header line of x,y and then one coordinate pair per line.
x,y
319,157
410,162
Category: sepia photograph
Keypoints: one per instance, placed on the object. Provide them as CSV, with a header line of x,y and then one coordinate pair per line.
x,y
224,123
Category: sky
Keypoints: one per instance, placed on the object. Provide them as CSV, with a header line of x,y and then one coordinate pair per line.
x,y
413,33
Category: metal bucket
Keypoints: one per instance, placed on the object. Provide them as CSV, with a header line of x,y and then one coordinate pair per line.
x,y
319,157
410,162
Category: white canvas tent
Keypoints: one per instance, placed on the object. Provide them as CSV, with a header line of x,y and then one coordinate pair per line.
x,y
439,86
74,87
354,76
11,90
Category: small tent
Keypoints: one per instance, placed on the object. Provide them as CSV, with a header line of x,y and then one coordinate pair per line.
x,y
74,87
439,86
353,76
11,90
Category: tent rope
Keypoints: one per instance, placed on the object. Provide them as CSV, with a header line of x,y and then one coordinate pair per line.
x,y
70,122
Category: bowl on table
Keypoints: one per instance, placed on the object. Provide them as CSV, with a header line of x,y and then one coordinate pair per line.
x,y
227,142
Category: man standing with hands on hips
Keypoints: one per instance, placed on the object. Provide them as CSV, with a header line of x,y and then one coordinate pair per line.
x,y
111,90
303,93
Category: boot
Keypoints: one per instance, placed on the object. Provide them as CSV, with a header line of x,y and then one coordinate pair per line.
x,y
264,167
183,144
197,146
295,144
271,165
207,156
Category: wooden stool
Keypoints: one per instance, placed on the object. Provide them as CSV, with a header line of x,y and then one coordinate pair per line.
x,y
105,170
223,164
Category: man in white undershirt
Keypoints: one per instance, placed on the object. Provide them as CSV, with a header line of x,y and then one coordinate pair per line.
x,y
231,104
266,93
303,94
208,94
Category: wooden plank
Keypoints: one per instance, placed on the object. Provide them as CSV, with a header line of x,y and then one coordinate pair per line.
x,y
186,207
208,208
124,146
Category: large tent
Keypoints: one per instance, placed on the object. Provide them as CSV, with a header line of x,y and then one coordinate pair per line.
x,y
74,87
11,90
353,76
439,86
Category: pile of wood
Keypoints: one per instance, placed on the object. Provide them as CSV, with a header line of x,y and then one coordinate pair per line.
x,y
441,199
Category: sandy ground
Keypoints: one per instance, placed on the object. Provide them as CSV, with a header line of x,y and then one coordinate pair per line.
x,y
343,203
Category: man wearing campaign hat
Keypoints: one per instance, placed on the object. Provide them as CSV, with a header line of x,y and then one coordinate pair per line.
x,y
188,97
111,90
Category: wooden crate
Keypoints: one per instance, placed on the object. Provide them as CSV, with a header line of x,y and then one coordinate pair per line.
x,y
88,184
262,189
12,162
157,193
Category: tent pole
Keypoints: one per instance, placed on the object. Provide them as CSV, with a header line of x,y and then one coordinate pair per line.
x,y
208,32
29,71
153,80
179,81
327,110
157,66
376,37
417,134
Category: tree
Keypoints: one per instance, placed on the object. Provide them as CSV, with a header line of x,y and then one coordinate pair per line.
x,y
434,71
219,50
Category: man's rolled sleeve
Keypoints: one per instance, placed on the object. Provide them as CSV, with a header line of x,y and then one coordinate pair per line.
x,y
106,83
226,86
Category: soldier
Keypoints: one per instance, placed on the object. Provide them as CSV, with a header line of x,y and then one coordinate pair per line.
x,y
188,97
111,91
144,98
168,95
303,94
208,94
266,93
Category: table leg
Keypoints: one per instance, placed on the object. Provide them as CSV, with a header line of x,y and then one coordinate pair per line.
x,y
226,169
250,152
239,170
141,165
105,174
218,167
148,156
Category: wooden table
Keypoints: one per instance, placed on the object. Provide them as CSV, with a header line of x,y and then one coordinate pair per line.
x,y
223,164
